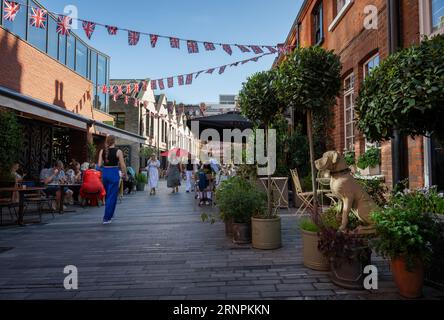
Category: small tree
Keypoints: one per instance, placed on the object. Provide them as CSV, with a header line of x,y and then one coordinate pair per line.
x,y
259,102
10,143
405,93
309,81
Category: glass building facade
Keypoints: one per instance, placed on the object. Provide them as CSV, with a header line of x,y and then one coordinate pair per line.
x,y
68,50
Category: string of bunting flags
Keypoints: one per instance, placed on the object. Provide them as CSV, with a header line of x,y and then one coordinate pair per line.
x,y
126,89
38,18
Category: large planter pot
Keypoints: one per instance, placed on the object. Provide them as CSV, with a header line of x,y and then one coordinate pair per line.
x,y
140,187
241,233
266,233
409,283
229,228
371,171
434,275
313,258
349,273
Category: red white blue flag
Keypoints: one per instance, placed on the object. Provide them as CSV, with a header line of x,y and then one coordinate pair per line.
x,y
119,90
257,49
104,89
112,31
227,49
89,28
170,81
222,69
126,100
133,38
38,18
136,88
180,80
64,25
175,43
243,48
209,46
210,71
189,79
111,89
271,49
153,40
192,46
11,9
161,84
282,48
153,85
199,73
128,89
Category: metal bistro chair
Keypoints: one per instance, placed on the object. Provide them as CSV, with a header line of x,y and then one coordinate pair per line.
x,y
305,197
324,179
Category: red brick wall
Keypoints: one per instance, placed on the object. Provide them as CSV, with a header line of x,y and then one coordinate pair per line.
x,y
25,69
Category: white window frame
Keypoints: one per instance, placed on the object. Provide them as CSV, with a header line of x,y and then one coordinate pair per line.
x,y
340,14
349,93
369,145
425,17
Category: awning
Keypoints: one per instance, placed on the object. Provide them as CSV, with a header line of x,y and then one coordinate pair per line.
x,y
21,103
230,120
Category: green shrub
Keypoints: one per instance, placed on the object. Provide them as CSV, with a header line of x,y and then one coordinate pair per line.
x,y
377,190
308,225
10,143
141,178
370,159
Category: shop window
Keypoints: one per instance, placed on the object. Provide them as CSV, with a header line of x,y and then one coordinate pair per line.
x,y
53,38
81,59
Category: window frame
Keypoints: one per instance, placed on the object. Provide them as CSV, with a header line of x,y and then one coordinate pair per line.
x,y
349,93
116,116
318,9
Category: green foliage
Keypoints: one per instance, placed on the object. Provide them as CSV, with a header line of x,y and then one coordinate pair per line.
x,y
240,199
350,158
141,178
407,226
10,142
405,92
92,151
377,190
147,152
258,98
308,225
369,159
310,78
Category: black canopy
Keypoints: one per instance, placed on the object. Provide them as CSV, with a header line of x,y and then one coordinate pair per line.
x,y
230,120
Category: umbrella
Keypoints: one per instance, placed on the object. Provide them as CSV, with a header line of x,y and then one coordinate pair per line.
x,y
178,151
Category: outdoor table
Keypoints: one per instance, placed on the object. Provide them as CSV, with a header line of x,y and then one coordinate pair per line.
x,y
280,186
22,191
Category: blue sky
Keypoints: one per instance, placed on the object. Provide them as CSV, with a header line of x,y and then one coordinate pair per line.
x,y
227,21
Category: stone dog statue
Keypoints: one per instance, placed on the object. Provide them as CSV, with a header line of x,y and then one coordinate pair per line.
x,y
352,194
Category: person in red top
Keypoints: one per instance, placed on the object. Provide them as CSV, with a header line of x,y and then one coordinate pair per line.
x,y
92,186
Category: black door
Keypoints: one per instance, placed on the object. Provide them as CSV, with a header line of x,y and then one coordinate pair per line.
x,y
438,163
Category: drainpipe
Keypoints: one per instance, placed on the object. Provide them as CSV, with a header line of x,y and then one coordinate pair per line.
x,y
394,43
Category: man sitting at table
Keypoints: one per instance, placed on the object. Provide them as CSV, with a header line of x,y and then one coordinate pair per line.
x,y
52,178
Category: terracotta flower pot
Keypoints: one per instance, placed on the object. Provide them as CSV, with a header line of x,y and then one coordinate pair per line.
x,y
409,283
313,258
349,273
241,233
266,233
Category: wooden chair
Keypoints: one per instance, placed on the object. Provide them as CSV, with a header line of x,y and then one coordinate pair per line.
x,y
305,197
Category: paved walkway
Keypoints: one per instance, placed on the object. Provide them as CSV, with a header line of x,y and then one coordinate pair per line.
x,y
158,248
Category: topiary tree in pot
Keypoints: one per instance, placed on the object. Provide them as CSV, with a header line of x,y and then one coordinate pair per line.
x,y
259,102
309,81
10,143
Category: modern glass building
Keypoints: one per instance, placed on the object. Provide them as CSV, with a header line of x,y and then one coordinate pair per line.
x,y
68,50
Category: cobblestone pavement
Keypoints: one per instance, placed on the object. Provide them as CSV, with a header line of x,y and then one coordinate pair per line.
x,y
158,248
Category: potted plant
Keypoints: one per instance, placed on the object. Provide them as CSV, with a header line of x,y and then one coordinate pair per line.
x,y
11,140
407,230
369,162
347,253
141,181
239,200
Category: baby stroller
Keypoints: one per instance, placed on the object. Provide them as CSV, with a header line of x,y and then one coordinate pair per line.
x,y
130,184
205,186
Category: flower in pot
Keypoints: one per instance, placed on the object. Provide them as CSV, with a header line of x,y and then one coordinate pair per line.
x,y
369,162
406,232
347,253
141,181
239,200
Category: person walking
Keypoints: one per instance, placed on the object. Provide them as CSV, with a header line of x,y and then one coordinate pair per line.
x,y
110,159
153,172
190,170
174,172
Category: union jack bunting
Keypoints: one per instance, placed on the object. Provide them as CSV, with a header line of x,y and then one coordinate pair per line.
x,y
193,47
104,89
227,49
180,80
222,69
133,38
111,89
198,74
255,59
282,48
189,79
126,100
38,18
210,71
144,85
153,85
89,28
175,43
161,85
243,48
271,49
257,49
170,81
64,25
11,9
119,90
128,88
209,46
153,40
245,61
112,31
136,88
